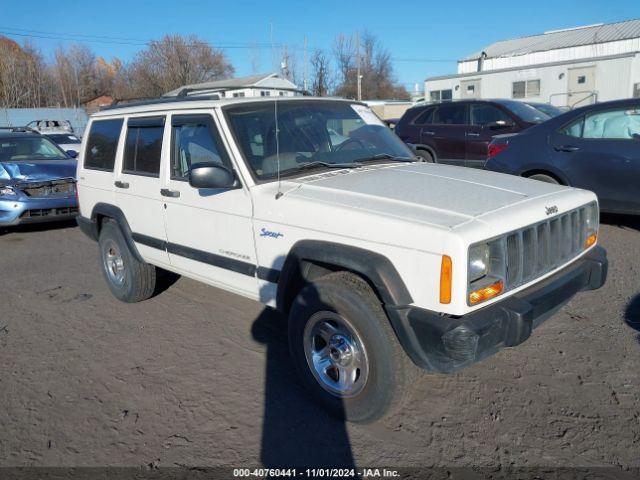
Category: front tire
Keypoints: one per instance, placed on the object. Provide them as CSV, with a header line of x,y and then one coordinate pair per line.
x,y
345,350
129,279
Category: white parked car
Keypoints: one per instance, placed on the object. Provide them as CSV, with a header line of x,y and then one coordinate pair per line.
x,y
69,142
380,262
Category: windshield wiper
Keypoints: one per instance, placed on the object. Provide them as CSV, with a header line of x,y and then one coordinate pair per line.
x,y
316,164
386,156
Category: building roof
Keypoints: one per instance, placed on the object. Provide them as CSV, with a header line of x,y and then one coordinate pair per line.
x,y
570,37
270,80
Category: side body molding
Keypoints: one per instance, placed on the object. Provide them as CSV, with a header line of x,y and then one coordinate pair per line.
x,y
374,267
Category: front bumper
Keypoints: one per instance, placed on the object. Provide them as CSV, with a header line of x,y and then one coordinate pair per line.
x,y
445,344
21,211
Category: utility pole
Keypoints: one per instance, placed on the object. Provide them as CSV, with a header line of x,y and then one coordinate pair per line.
x,y
359,78
305,83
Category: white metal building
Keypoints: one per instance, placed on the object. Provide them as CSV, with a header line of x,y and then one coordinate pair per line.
x,y
265,85
570,67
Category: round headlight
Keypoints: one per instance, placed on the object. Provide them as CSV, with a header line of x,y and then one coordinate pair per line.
x,y
478,261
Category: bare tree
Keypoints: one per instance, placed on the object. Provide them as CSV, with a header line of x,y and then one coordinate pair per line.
x,y
24,80
170,63
376,69
344,51
321,79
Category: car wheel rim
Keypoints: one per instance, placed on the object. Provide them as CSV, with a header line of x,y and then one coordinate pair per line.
x,y
113,263
335,354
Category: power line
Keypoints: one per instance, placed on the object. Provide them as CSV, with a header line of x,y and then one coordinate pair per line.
x,y
105,39
81,38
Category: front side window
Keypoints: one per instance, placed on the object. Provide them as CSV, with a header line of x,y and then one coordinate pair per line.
x,y
310,135
29,148
193,142
102,144
450,115
484,114
143,146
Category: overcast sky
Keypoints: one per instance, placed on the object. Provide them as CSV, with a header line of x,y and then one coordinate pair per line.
x,y
425,38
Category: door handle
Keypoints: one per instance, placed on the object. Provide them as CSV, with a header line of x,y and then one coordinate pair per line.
x,y
165,192
566,148
120,184
473,134
429,133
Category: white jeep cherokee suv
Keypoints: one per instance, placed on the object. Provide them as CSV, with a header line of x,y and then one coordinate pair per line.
x,y
380,262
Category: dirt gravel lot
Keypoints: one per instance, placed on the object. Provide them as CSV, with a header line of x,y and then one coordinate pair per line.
x,y
198,376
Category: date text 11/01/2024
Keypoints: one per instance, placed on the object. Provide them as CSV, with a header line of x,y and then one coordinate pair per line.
x,y
316,472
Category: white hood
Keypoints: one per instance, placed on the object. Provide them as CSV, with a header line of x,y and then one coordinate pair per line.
x,y
439,195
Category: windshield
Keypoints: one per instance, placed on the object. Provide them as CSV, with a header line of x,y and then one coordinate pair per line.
x,y
64,138
550,110
311,134
29,148
526,112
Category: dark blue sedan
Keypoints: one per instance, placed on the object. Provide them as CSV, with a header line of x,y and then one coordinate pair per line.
x,y
37,180
595,147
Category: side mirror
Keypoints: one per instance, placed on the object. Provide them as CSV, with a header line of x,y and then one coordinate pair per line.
x,y
72,153
211,175
500,124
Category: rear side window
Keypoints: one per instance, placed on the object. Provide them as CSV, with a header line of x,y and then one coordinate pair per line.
x,y
195,140
102,144
143,147
425,118
450,115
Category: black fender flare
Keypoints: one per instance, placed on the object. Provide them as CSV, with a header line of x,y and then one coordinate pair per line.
x,y
373,267
114,213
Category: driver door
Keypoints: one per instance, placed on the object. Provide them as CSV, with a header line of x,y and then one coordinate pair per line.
x,y
486,121
209,231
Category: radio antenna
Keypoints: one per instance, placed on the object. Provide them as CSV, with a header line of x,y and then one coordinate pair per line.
x,y
275,110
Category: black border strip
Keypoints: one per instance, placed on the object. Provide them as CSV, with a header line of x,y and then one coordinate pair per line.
x,y
149,241
220,261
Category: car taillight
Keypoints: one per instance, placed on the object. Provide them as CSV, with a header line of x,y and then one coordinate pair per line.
x,y
496,148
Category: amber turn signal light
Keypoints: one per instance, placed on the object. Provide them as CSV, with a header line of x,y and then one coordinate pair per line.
x,y
446,275
486,293
591,239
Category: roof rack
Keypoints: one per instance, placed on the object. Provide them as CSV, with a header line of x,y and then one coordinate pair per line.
x,y
158,100
20,129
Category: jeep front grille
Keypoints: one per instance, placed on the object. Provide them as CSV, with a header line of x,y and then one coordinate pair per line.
x,y
537,249
519,257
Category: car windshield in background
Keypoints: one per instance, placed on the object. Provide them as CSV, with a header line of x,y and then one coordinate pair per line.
x,y
64,139
550,110
311,134
526,112
29,148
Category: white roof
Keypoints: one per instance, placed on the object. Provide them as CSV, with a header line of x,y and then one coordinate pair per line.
x,y
571,37
171,104
266,80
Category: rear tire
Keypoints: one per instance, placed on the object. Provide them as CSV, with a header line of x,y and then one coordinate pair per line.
x,y
345,350
425,156
129,279
544,178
